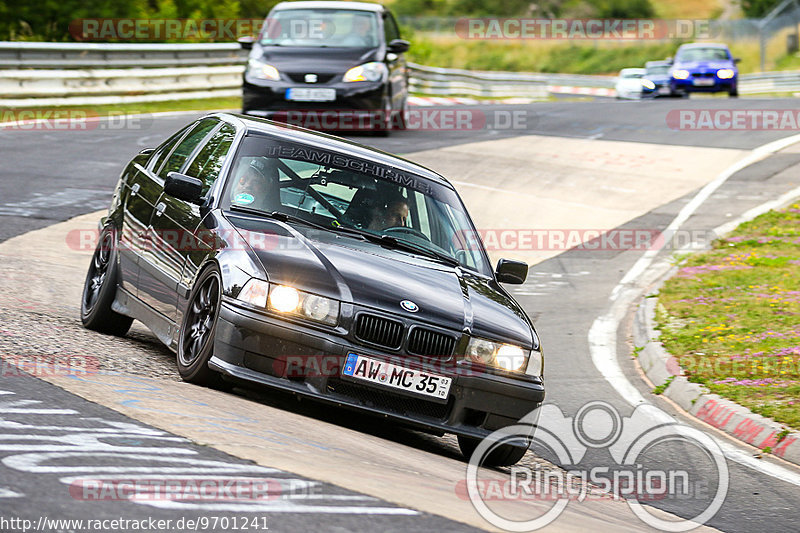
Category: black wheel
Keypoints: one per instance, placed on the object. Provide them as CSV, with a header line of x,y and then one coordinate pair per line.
x,y
733,94
503,455
385,126
100,288
400,121
196,336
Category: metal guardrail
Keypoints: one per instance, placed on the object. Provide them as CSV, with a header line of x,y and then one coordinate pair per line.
x,y
19,55
770,82
455,82
53,74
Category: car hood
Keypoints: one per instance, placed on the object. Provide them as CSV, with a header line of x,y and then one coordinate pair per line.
x,y
369,275
707,66
318,60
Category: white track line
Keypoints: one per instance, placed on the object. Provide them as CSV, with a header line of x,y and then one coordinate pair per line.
x,y
603,333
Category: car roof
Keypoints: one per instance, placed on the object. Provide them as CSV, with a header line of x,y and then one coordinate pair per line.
x,y
661,63
330,142
356,6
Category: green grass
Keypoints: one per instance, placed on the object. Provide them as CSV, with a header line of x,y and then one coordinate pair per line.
x,y
587,57
200,104
732,316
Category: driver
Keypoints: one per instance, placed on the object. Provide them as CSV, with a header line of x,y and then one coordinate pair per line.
x,y
389,214
255,189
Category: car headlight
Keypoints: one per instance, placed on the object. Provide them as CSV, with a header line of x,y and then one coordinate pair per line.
x,y
373,71
262,71
647,84
725,73
290,301
681,74
498,354
255,293
535,363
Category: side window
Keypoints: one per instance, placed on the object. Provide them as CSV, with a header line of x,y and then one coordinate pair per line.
x,y
208,161
185,148
390,28
160,153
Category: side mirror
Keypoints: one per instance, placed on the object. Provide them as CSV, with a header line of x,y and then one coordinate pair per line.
x,y
669,60
509,271
246,42
737,59
183,187
398,46
147,151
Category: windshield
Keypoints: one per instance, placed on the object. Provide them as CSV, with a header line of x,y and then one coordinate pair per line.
x,y
321,27
342,193
657,71
632,74
703,54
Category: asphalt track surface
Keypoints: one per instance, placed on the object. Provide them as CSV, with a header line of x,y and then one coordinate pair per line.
x,y
50,176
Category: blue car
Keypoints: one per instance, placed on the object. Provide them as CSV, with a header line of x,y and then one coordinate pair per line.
x,y
658,73
704,67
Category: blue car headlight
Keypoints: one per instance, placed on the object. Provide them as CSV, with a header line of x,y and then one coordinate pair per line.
x,y
681,74
726,73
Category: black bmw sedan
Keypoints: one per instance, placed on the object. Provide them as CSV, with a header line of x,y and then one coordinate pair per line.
x,y
343,57
274,256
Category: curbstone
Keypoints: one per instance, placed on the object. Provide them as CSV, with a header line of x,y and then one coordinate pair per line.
x,y
725,415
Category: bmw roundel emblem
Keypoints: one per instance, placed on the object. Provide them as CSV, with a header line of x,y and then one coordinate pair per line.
x,y
409,306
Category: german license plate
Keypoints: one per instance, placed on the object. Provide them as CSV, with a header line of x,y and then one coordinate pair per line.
x,y
395,376
302,94
703,81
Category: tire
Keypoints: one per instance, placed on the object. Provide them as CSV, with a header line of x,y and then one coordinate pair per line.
x,y
733,94
385,128
503,455
198,327
400,121
100,288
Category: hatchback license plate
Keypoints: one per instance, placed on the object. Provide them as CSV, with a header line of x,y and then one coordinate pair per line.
x,y
301,94
395,376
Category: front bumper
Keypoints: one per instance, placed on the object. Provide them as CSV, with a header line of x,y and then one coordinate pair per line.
x,y
264,98
307,362
688,86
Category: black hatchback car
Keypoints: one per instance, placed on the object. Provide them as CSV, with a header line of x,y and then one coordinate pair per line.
x,y
342,57
267,254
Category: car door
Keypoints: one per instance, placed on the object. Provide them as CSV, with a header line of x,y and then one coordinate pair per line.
x,y
160,265
191,242
142,191
396,63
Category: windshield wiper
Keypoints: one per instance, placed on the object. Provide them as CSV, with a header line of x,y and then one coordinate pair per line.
x,y
402,244
386,240
279,215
